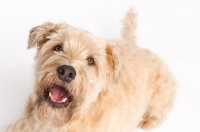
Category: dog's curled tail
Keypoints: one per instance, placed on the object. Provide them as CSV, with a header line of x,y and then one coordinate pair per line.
x,y
129,26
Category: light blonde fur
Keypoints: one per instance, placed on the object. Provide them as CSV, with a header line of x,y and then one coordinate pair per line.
x,y
128,87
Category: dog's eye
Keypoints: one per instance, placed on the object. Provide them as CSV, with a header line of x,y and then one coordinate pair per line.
x,y
58,48
90,61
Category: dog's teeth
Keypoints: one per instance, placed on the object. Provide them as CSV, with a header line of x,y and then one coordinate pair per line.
x,y
49,94
64,100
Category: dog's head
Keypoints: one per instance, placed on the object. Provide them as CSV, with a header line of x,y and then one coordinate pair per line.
x,y
72,68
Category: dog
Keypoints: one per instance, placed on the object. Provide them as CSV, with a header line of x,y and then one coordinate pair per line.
x,y
84,83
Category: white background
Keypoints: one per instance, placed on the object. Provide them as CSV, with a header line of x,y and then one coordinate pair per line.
x,y
170,28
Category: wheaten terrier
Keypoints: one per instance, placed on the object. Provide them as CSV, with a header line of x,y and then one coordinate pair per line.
x,y
87,84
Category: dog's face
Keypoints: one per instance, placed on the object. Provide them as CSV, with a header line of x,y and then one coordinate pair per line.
x,y
72,67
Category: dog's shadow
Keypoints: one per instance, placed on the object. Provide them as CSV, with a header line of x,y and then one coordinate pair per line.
x,y
16,83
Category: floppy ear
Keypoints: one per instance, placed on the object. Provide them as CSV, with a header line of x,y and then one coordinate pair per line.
x,y
115,66
38,35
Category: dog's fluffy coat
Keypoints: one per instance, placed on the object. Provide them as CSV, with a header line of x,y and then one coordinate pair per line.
x,y
125,88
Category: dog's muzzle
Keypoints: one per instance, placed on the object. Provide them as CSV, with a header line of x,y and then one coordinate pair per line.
x,y
57,95
66,73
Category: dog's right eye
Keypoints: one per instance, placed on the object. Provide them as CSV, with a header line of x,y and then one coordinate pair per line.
x,y
58,48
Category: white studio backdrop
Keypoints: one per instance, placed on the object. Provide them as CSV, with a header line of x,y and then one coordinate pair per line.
x,y
170,28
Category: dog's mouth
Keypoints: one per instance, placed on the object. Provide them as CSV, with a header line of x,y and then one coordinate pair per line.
x,y
58,96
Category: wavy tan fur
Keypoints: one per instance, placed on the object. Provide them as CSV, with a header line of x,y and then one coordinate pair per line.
x,y
127,87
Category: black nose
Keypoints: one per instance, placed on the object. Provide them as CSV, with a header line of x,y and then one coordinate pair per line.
x,y
66,73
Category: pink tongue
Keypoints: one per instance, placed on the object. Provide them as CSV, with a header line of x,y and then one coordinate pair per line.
x,y
58,94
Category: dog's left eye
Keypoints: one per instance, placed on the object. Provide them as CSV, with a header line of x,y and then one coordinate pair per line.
x,y
90,61
58,48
